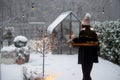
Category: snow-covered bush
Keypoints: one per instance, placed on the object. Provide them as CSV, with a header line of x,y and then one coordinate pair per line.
x,y
8,35
20,43
35,73
109,37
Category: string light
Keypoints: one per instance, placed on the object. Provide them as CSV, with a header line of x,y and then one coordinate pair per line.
x,y
103,11
33,7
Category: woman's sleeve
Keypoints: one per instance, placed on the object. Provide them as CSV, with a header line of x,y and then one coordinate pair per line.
x,y
77,40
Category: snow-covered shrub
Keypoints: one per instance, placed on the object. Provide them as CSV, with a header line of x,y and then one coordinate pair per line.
x,y
23,53
20,43
35,73
31,71
109,37
8,35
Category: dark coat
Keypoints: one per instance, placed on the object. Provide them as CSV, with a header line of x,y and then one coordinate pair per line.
x,y
87,54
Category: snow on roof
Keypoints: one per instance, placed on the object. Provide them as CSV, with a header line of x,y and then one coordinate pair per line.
x,y
58,20
36,22
20,38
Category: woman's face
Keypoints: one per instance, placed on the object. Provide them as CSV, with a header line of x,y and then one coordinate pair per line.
x,y
85,26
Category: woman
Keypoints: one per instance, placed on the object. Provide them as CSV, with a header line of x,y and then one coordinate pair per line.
x,y
87,54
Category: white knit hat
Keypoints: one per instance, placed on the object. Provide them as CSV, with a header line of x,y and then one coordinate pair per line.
x,y
86,20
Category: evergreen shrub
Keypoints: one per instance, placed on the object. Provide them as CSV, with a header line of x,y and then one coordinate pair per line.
x,y
109,37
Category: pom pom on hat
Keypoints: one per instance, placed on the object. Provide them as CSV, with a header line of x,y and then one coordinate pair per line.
x,y
86,20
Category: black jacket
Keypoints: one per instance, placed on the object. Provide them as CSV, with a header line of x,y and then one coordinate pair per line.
x,y
87,54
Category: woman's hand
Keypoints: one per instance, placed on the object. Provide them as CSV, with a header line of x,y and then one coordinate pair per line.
x,y
73,36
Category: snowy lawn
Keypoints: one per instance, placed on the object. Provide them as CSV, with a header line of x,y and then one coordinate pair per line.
x,y
63,67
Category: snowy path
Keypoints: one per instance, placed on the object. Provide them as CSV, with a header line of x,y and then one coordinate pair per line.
x,y
11,72
65,67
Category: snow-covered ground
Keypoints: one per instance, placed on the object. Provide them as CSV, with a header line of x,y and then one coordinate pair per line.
x,y
63,67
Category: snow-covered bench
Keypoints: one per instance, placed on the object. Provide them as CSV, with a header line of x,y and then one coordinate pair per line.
x,y
8,55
